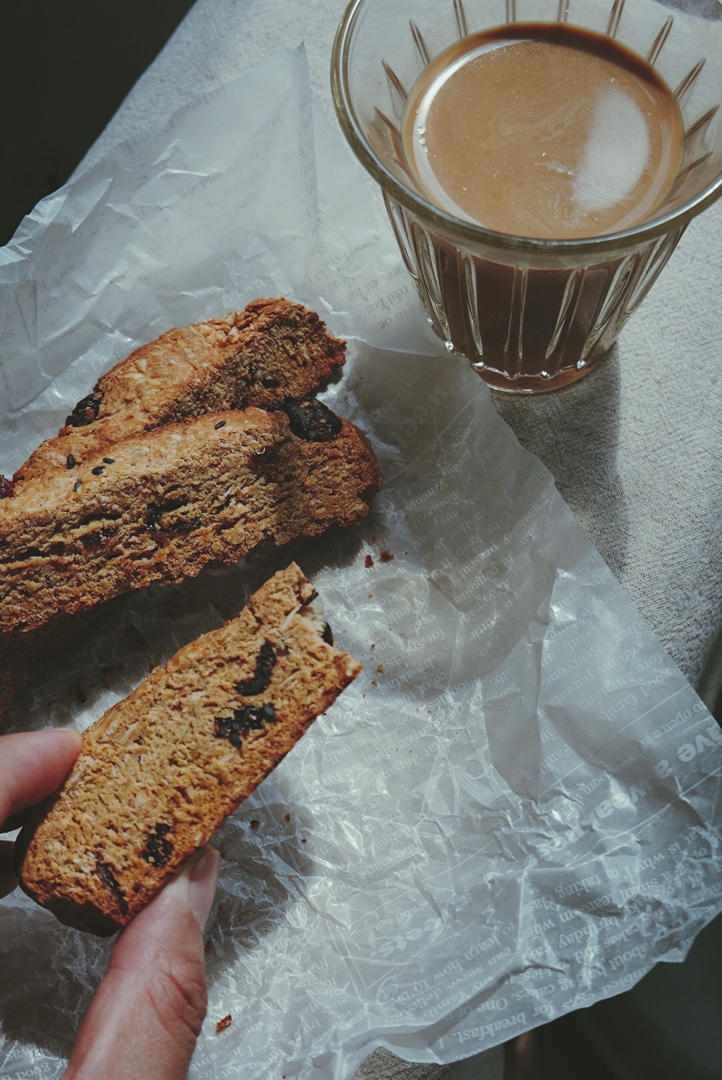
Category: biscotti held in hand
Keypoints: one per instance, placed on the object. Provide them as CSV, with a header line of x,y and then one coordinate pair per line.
x,y
161,506
159,772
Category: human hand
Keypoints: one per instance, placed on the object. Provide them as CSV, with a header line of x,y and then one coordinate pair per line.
x,y
147,1013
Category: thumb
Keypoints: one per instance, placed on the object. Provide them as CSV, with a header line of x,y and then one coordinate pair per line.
x,y
147,1013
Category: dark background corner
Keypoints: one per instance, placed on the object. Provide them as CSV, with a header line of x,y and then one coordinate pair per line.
x,y
66,67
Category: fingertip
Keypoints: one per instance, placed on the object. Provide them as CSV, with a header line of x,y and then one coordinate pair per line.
x,y
196,883
58,744
203,869
68,737
33,764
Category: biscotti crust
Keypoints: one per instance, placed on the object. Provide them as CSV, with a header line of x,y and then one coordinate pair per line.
x,y
162,506
159,772
270,352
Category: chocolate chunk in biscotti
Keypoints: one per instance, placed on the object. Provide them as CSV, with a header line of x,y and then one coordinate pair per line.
x,y
170,502
159,772
312,420
271,352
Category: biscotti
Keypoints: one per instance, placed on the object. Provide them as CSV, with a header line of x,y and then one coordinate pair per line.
x,y
167,503
159,772
271,352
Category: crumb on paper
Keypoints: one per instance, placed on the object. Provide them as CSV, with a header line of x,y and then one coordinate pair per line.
x,y
254,825
386,556
368,562
380,668
224,1023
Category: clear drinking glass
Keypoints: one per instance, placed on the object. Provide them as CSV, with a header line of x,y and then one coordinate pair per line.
x,y
531,315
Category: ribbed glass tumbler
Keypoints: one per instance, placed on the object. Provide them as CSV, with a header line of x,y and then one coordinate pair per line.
x,y
531,315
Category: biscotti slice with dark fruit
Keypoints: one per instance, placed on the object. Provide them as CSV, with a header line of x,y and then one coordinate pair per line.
x,y
162,506
159,772
271,352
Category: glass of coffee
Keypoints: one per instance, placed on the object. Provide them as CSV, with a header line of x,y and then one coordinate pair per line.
x,y
539,162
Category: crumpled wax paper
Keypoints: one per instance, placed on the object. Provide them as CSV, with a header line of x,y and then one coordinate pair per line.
x,y
513,811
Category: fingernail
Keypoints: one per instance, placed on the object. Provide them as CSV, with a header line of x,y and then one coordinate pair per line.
x,y
202,871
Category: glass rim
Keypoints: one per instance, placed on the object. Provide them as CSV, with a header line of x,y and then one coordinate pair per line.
x,y
467,230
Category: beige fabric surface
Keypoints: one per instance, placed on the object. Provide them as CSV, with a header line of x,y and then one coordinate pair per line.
x,y
635,449
384,1064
